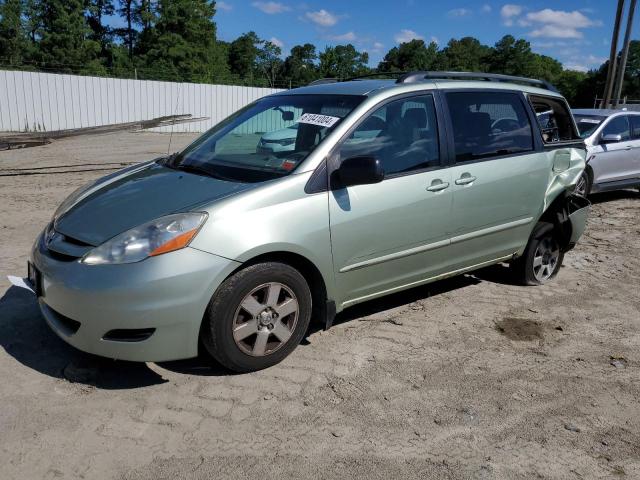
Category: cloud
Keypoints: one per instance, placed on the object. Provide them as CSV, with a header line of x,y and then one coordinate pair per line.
x,y
486,8
322,18
405,35
277,42
271,7
555,31
435,40
377,47
509,11
459,12
345,37
559,23
224,6
561,18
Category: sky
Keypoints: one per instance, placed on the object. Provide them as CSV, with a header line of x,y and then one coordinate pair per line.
x,y
576,32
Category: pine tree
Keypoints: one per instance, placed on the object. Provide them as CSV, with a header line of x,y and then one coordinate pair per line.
x,y
64,38
13,41
182,43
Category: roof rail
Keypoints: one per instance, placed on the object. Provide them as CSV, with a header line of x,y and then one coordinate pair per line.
x,y
323,81
492,77
375,74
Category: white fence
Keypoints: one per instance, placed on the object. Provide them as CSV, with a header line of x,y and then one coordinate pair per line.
x,y
38,102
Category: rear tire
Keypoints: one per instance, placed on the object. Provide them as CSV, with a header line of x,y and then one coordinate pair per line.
x,y
542,257
257,317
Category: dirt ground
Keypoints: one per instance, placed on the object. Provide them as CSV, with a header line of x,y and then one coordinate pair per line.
x,y
473,377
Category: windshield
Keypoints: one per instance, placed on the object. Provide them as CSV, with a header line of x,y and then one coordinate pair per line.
x,y
587,124
267,139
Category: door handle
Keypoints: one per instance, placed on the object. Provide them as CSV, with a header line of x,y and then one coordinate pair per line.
x,y
465,179
437,186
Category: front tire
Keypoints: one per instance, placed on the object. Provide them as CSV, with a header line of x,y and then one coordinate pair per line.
x,y
257,317
542,257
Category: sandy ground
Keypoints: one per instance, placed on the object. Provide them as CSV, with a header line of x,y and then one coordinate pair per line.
x,y
468,378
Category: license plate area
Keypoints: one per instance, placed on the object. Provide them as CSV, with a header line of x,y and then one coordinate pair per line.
x,y
35,279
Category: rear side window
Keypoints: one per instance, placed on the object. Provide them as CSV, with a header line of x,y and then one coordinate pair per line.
x,y
618,126
488,124
635,126
554,119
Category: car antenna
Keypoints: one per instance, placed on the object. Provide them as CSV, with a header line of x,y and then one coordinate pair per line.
x,y
175,113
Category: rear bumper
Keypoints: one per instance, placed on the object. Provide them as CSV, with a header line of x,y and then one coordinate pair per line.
x,y
169,294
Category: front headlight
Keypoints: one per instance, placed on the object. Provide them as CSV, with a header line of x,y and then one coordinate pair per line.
x,y
163,235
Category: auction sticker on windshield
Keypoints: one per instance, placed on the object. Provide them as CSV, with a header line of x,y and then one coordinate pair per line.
x,y
317,119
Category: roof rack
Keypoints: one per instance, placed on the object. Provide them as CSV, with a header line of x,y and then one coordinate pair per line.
x,y
492,77
323,81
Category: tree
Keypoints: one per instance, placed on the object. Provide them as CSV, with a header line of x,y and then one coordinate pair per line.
x,y
99,32
568,82
511,56
465,55
412,55
13,41
300,66
126,9
182,44
268,61
243,52
343,61
63,35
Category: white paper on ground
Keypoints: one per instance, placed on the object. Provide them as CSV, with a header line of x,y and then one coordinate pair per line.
x,y
19,282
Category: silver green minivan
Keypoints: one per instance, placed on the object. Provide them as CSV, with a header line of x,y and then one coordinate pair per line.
x,y
232,248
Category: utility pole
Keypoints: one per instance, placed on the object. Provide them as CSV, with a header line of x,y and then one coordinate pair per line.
x,y
611,71
625,54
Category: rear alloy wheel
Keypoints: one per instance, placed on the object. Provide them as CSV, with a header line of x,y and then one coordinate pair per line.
x,y
542,257
257,317
583,185
545,259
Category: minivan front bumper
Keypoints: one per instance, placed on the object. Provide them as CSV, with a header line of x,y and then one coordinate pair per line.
x,y
146,311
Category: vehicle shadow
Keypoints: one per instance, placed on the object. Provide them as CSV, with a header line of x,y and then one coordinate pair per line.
x,y
25,336
614,195
399,299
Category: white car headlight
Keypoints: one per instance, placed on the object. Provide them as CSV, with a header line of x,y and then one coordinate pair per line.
x,y
163,235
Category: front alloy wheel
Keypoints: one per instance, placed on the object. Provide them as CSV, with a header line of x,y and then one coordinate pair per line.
x,y
257,316
265,319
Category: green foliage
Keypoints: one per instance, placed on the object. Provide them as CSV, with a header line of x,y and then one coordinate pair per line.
x,y
300,66
13,40
243,52
182,43
64,38
343,61
413,55
176,40
466,54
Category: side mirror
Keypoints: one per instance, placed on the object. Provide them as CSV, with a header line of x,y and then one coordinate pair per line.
x,y
611,138
360,171
287,115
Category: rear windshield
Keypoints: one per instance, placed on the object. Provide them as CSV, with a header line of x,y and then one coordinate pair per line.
x,y
587,124
267,139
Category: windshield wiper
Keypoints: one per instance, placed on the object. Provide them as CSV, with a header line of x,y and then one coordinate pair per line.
x,y
200,171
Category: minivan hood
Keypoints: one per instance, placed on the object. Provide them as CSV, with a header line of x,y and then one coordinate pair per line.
x,y
115,206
